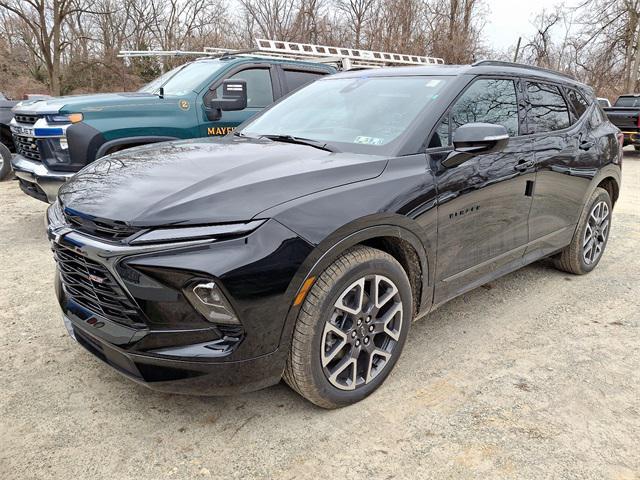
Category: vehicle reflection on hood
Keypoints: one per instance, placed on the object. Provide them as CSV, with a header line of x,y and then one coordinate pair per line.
x,y
209,180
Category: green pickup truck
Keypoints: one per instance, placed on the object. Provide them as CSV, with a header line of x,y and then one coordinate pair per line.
x,y
55,138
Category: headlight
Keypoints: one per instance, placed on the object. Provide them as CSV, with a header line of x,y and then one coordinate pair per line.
x,y
69,118
178,234
208,299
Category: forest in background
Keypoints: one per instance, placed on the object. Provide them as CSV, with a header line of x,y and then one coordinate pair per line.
x,y
70,46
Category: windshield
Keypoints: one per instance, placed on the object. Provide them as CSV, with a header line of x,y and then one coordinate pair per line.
x,y
350,112
183,79
628,102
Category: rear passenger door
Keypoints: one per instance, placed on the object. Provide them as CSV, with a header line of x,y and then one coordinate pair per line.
x,y
483,204
293,78
566,156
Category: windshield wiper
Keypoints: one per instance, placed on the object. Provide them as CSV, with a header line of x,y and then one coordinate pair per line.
x,y
301,141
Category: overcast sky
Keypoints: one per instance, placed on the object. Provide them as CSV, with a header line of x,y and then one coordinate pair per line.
x,y
509,19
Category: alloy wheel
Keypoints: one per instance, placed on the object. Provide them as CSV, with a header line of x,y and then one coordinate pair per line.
x,y
595,235
359,339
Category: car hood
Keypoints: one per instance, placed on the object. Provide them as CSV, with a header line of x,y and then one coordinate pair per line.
x,y
86,103
207,181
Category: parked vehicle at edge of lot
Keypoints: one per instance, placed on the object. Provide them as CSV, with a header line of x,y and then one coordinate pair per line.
x,y
625,114
6,142
604,102
304,244
56,138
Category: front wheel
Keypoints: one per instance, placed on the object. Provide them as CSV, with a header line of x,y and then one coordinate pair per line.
x,y
590,238
351,328
5,162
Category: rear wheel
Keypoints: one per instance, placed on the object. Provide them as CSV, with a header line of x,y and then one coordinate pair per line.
x,y
5,162
590,238
351,328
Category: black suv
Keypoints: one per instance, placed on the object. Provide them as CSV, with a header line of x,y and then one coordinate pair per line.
x,y
303,245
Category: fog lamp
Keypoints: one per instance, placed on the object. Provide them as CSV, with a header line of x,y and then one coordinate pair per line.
x,y
208,299
63,144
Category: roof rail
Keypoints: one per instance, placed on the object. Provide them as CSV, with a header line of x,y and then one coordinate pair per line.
x,y
341,57
499,63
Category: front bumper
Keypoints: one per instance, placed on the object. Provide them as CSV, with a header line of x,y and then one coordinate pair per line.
x,y
37,180
182,376
168,346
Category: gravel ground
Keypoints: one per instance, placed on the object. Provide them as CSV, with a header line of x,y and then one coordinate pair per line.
x,y
536,375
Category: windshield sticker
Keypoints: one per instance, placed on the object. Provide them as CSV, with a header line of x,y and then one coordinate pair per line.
x,y
433,83
369,140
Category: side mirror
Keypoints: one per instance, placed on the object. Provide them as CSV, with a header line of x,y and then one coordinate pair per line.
x,y
234,97
473,139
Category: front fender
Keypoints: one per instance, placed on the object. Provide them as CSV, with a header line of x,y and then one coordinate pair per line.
x,y
372,227
87,144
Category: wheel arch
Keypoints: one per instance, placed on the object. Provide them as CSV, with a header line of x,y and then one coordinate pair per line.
x,y
6,138
612,187
400,242
608,177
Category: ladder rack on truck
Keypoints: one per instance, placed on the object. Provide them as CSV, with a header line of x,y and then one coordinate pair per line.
x,y
343,58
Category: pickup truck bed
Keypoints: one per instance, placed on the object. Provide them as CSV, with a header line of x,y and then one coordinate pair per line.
x,y
625,114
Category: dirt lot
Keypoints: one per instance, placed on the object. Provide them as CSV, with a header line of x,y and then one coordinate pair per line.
x,y
536,375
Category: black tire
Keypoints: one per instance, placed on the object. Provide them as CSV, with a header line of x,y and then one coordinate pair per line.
x,y
572,258
5,162
305,372
637,147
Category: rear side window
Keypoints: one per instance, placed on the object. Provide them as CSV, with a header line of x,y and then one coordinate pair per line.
x,y
488,101
627,102
259,89
295,78
547,109
577,102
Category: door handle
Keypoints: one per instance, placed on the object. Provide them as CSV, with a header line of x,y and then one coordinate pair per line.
x,y
586,145
524,165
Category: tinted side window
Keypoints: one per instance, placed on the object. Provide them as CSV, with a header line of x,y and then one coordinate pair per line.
x,y
296,79
489,101
547,108
259,89
577,102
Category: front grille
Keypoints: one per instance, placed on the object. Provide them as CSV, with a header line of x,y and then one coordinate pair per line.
x,y
27,147
28,119
93,287
109,230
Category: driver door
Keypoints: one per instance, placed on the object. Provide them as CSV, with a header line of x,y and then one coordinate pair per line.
x,y
483,204
262,89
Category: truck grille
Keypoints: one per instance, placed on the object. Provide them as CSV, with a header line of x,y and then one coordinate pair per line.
x,y
93,287
27,147
28,119
107,230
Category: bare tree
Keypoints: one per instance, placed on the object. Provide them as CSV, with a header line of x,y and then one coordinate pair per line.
x,y
44,21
